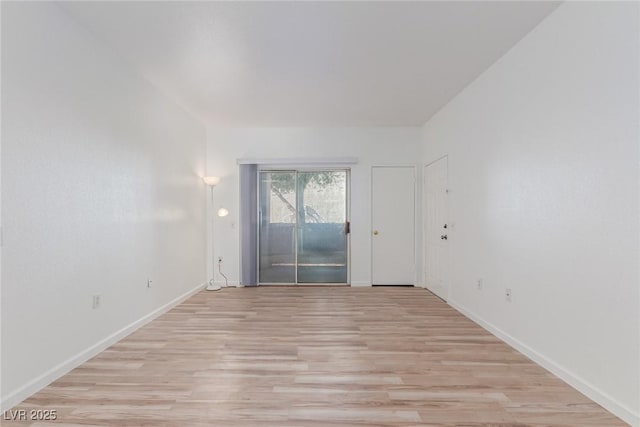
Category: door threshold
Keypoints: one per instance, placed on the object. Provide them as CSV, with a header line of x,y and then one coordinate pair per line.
x,y
394,286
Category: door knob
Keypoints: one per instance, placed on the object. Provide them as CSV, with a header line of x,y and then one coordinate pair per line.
x,y
375,232
443,237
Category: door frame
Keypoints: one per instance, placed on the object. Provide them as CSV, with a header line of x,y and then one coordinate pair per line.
x,y
306,168
415,215
445,267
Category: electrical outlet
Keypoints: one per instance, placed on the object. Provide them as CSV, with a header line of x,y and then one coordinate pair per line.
x,y
479,284
96,302
507,294
149,282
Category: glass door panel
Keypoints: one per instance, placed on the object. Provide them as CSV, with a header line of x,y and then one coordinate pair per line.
x,y
321,227
277,228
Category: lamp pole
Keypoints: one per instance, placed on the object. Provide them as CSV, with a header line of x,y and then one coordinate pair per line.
x,y
212,181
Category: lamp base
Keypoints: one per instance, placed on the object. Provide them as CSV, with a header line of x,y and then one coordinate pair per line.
x,y
213,287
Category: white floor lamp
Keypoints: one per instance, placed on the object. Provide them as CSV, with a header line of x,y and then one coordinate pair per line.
x,y
212,181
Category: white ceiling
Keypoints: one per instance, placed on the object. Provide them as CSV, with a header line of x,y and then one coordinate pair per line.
x,y
311,63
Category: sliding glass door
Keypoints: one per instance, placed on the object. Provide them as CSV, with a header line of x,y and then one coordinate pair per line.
x,y
303,226
277,227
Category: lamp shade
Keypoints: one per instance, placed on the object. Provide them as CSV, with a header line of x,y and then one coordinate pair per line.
x,y
211,181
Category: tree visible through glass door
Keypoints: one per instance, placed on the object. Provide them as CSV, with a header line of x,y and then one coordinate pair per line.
x,y
303,229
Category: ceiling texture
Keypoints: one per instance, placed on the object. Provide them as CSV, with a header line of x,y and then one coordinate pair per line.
x,y
310,63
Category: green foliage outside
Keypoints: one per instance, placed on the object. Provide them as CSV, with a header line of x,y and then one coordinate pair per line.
x,y
285,183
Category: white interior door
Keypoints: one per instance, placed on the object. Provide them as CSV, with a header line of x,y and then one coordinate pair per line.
x,y
436,227
393,225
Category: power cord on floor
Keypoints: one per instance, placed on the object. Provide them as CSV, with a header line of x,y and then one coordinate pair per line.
x,y
226,281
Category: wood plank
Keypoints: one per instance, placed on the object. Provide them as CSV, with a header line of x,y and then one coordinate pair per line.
x,y
313,356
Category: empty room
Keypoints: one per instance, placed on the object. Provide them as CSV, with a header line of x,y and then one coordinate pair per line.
x,y
320,213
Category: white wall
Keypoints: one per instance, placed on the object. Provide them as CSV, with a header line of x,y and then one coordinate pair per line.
x,y
371,146
101,189
543,172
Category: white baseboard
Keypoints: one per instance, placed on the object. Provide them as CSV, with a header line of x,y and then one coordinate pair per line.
x,y
38,383
360,284
583,386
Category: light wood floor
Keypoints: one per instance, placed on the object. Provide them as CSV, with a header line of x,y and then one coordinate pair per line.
x,y
314,356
